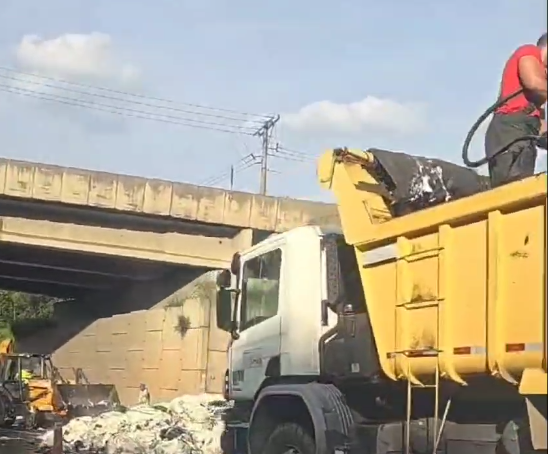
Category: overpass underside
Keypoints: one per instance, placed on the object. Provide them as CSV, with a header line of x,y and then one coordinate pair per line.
x,y
71,274
71,252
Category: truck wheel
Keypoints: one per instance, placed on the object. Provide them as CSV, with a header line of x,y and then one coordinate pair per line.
x,y
6,411
3,412
290,439
228,442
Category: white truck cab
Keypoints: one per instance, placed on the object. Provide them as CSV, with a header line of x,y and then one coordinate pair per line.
x,y
280,284
279,303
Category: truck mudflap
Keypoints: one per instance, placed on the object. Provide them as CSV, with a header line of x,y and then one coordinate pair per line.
x,y
537,415
533,387
330,415
87,400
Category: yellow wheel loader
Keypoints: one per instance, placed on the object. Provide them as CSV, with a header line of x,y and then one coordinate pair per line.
x,y
32,389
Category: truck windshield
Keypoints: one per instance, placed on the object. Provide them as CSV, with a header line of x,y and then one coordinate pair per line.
x,y
261,281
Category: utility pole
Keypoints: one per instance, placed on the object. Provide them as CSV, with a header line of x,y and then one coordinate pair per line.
x,y
265,132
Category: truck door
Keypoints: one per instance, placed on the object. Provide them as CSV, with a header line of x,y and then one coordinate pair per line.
x,y
259,323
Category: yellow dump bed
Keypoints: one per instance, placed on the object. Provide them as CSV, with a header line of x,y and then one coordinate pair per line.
x,y
460,286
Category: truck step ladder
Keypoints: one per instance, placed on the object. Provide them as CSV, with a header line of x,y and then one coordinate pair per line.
x,y
411,386
413,382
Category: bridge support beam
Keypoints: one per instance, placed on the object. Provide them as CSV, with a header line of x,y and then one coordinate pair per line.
x,y
169,247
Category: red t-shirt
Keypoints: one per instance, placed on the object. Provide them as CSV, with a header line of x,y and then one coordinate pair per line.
x,y
511,82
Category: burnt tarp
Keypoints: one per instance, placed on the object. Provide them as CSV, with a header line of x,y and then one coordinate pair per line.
x,y
416,182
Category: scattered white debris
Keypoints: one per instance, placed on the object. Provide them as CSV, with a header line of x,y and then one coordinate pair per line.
x,y
187,425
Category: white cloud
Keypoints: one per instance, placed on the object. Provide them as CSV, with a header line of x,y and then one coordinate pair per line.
x,y
369,114
73,57
91,59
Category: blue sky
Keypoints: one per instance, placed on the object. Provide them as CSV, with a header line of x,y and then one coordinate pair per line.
x,y
439,59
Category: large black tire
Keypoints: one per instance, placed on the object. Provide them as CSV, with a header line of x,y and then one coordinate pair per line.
x,y
3,411
290,438
227,442
6,417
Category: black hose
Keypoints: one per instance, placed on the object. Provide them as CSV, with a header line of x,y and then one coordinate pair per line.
x,y
478,123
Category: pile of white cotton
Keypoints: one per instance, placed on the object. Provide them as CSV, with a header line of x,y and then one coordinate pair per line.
x,y
186,425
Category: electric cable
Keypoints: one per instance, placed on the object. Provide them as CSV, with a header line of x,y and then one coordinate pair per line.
x,y
135,95
243,164
125,112
127,100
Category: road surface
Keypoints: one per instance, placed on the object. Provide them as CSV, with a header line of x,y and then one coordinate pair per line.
x,y
14,441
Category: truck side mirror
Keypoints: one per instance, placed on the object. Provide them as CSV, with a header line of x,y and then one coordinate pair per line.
x,y
235,264
224,309
224,279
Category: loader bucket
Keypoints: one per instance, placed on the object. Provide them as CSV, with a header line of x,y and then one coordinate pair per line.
x,y
87,400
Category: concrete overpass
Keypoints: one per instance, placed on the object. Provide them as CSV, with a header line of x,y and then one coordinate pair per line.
x,y
129,252
69,232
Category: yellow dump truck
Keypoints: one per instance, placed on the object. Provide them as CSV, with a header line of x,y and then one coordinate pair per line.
x,y
418,326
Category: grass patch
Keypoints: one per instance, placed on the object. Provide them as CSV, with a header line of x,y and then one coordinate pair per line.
x,y
202,291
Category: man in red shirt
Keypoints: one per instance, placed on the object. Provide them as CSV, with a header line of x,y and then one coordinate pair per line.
x,y
520,116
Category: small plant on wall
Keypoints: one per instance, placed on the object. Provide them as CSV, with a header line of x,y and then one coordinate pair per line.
x,y
183,325
202,291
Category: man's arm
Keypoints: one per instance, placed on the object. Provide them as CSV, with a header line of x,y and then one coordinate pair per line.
x,y
533,78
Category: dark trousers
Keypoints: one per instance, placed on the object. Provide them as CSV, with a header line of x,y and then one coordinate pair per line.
x,y
519,160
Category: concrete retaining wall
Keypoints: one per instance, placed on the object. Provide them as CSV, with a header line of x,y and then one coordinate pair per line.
x,y
146,347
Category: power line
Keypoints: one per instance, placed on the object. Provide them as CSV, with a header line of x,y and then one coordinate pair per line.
x,y
135,95
230,175
265,131
251,160
125,100
245,163
121,108
292,155
291,158
291,151
126,112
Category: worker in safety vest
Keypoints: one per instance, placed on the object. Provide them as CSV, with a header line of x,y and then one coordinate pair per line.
x,y
26,376
520,116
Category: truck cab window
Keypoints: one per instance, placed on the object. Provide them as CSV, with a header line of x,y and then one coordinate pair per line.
x,y
261,283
